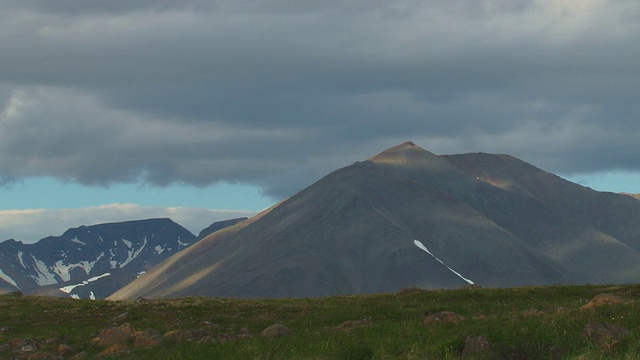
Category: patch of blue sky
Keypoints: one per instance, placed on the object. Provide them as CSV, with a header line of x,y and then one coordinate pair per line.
x,y
613,181
50,193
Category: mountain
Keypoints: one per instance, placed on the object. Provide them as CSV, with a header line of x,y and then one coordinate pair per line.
x,y
90,261
637,196
218,226
407,217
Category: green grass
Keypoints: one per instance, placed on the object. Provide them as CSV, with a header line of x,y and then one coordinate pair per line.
x,y
397,331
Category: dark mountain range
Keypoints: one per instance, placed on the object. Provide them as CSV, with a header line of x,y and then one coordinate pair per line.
x,y
91,261
407,217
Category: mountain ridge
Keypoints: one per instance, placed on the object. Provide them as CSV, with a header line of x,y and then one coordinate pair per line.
x,y
495,219
92,261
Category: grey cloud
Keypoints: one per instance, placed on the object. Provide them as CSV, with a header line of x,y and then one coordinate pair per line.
x,y
45,132
79,7
278,93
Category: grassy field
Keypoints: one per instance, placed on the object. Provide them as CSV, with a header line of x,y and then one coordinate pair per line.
x,y
395,330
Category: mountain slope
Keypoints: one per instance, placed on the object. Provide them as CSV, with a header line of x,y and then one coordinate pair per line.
x,y
218,226
635,196
574,225
407,217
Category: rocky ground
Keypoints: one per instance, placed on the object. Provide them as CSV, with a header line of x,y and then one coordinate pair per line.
x,y
469,323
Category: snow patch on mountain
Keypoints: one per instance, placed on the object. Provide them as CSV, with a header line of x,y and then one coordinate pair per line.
x,y
69,289
44,276
127,243
88,265
421,246
132,254
63,270
158,249
21,259
75,240
8,279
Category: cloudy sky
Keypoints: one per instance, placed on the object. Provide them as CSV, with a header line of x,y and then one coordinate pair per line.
x,y
203,110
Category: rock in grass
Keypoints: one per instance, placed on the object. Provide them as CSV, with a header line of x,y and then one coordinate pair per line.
x,y
187,335
147,338
603,299
443,317
122,316
475,344
114,349
42,355
29,348
275,331
65,350
18,343
6,329
127,329
112,336
80,356
604,334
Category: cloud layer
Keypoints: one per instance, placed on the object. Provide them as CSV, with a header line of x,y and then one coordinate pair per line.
x,y
32,225
277,93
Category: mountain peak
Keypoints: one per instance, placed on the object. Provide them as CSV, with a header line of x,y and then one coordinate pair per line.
x,y
404,145
405,154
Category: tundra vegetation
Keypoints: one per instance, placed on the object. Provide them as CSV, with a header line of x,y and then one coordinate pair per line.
x,y
555,322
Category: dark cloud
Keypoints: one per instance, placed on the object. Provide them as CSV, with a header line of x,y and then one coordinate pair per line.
x,y
277,93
